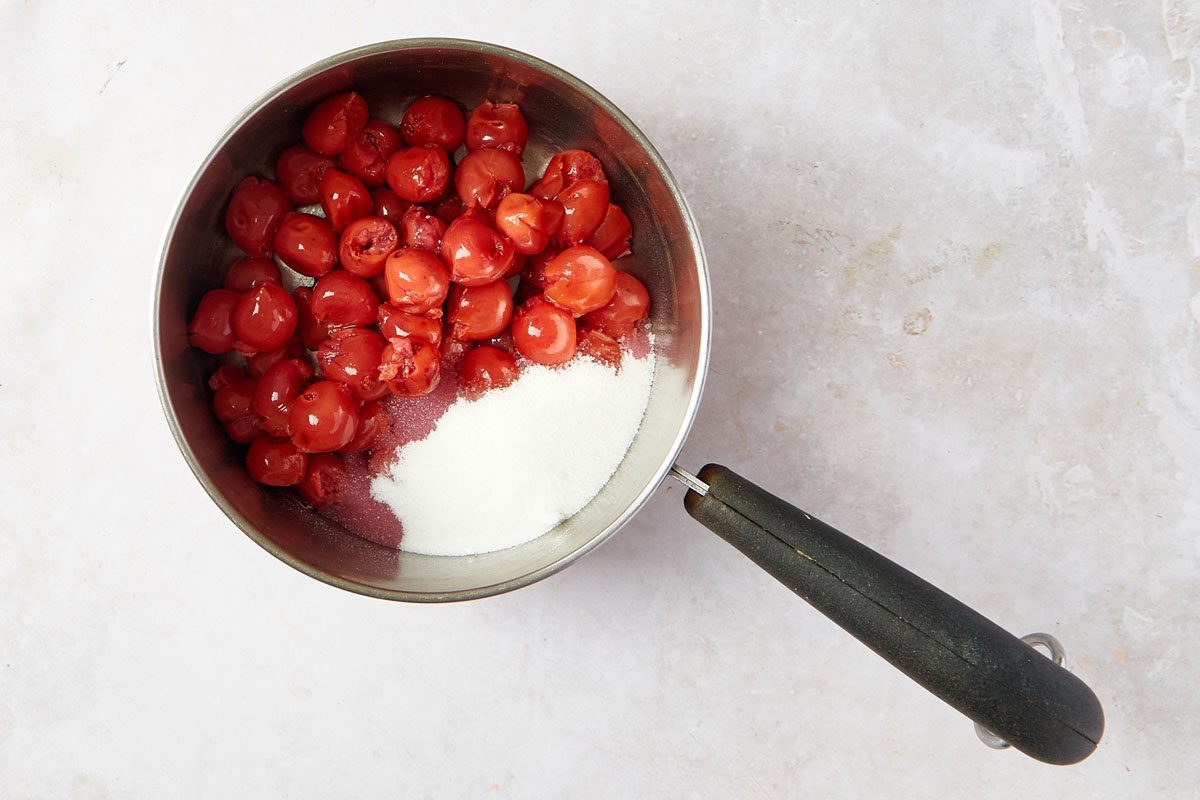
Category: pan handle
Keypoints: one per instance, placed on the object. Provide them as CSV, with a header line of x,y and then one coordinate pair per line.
x,y
968,661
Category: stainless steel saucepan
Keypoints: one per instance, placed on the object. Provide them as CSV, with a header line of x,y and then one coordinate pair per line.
x,y
991,676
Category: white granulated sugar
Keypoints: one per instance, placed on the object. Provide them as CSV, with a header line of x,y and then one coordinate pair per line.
x,y
509,466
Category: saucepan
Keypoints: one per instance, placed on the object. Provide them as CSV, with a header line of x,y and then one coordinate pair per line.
x,y
996,679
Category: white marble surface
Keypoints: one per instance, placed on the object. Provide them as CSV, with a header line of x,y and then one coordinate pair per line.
x,y
956,304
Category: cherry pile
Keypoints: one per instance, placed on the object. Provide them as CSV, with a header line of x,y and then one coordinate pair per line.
x,y
413,262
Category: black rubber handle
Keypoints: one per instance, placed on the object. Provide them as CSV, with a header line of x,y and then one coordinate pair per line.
x,y
965,659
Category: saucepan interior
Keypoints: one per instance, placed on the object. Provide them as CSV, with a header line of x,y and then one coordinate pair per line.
x,y
563,112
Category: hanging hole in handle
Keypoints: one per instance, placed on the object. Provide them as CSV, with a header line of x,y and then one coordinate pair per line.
x,y
1054,651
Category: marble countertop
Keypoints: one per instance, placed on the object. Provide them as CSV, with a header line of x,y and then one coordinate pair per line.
x,y
956,296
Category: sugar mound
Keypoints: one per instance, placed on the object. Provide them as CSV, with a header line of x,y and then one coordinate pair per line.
x,y
509,466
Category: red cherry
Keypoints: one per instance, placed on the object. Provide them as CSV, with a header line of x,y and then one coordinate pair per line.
x,y
612,237
450,209
323,417
226,375
307,244
585,204
421,230
234,407
484,177
476,253
566,168
419,174
324,479
254,213
246,273
275,463
351,356
372,421
345,198
580,279
411,367
417,281
366,244
499,126
393,322
479,312
434,120
366,156
311,330
265,318
282,382
487,367
342,300
299,172
335,121
529,221
211,328
629,305
389,205
599,346
258,364
543,332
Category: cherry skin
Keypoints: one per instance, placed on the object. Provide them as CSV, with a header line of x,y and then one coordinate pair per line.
x,y
366,156
580,280
234,407
235,400
484,177
450,209
226,375
393,323
258,364
419,174
366,243
629,305
324,479
372,420
273,462
434,120
334,123
478,313
499,126
612,237
323,417
307,244
345,198
543,332
246,273
254,212
265,318
599,346
417,281
476,253
389,205
282,382
351,356
585,204
310,329
566,168
342,300
299,172
411,367
535,268
529,221
211,328
486,367
422,230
